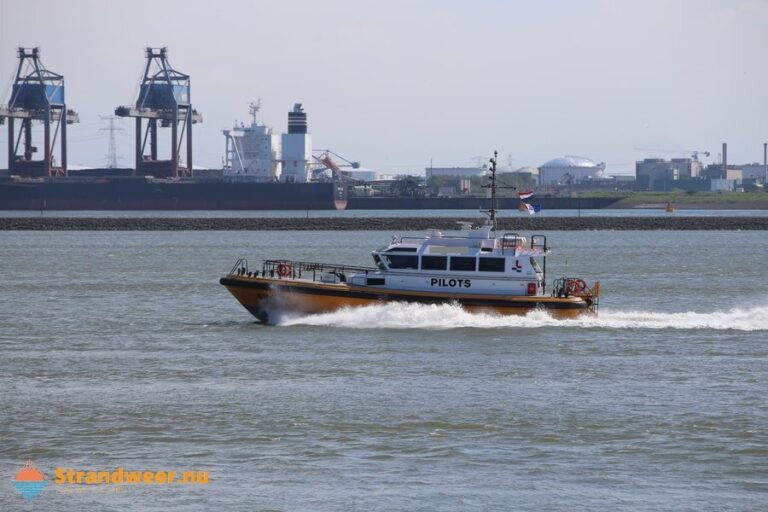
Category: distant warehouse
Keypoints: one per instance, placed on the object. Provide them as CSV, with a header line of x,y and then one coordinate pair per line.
x,y
655,173
455,172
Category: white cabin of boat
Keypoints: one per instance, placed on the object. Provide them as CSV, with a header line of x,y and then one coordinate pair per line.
x,y
475,262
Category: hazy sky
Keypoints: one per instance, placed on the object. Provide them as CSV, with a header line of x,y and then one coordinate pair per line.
x,y
394,84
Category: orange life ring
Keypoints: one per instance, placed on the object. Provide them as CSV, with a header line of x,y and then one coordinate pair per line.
x,y
575,286
284,270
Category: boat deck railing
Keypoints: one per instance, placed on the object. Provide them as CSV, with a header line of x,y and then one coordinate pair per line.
x,y
576,287
291,269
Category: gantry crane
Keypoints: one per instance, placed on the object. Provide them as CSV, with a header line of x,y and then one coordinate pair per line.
x,y
164,95
37,95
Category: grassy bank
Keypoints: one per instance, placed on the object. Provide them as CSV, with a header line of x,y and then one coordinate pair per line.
x,y
704,200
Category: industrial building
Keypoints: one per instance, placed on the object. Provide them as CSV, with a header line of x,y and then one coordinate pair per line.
x,y
531,171
569,170
755,171
455,172
365,174
656,173
754,176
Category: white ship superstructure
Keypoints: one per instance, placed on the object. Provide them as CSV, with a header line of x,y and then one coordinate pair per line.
x,y
258,153
253,150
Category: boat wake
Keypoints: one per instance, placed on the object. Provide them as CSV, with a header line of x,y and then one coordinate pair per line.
x,y
443,317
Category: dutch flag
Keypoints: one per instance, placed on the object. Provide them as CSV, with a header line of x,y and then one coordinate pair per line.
x,y
533,208
525,195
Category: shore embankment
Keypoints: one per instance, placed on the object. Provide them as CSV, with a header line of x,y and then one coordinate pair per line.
x,y
378,224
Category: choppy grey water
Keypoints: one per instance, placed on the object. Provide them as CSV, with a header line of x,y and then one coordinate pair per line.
x,y
121,350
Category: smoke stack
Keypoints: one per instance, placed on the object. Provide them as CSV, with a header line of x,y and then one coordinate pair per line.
x,y
297,119
725,157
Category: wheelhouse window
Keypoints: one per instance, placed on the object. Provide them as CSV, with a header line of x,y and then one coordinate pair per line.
x,y
402,249
434,263
463,263
492,264
400,261
378,262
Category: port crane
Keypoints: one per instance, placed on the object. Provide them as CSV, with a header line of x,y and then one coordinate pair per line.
x,y
330,163
37,95
164,96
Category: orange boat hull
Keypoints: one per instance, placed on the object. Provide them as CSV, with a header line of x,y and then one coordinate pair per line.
x,y
263,297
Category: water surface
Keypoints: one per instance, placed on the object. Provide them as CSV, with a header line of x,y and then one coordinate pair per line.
x,y
120,349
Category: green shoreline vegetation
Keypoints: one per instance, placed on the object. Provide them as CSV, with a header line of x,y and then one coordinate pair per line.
x,y
704,200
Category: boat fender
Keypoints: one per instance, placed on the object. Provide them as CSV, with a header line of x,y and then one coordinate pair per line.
x,y
283,270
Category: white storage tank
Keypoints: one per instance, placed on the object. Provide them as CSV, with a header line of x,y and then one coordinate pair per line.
x,y
570,167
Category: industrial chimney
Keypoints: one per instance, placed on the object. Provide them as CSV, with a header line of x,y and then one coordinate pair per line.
x,y
296,147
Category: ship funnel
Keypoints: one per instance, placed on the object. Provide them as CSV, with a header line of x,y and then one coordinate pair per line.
x,y
297,120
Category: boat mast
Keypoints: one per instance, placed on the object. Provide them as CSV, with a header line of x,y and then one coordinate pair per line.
x,y
491,212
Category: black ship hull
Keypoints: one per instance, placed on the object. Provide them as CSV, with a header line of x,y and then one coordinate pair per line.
x,y
130,193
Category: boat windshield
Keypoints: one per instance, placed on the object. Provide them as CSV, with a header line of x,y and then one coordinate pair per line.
x,y
400,261
535,265
378,262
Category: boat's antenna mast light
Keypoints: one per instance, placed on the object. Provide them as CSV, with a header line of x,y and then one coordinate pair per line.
x,y
491,212
492,186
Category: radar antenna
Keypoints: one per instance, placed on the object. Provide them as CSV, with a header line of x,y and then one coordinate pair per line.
x,y
253,109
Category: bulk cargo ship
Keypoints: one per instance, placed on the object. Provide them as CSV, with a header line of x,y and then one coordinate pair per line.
x,y
138,193
263,171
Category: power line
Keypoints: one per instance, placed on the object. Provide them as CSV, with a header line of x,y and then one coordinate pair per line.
x,y
112,156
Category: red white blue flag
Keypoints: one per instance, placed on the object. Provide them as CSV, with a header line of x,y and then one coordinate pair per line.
x,y
533,208
525,195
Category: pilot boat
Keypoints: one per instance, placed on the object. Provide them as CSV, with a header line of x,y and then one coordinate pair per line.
x,y
478,269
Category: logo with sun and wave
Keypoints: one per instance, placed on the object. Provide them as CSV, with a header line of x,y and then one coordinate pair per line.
x,y
29,481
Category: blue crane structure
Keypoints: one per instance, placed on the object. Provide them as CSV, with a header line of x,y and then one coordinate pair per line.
x,y
164,95
37,95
